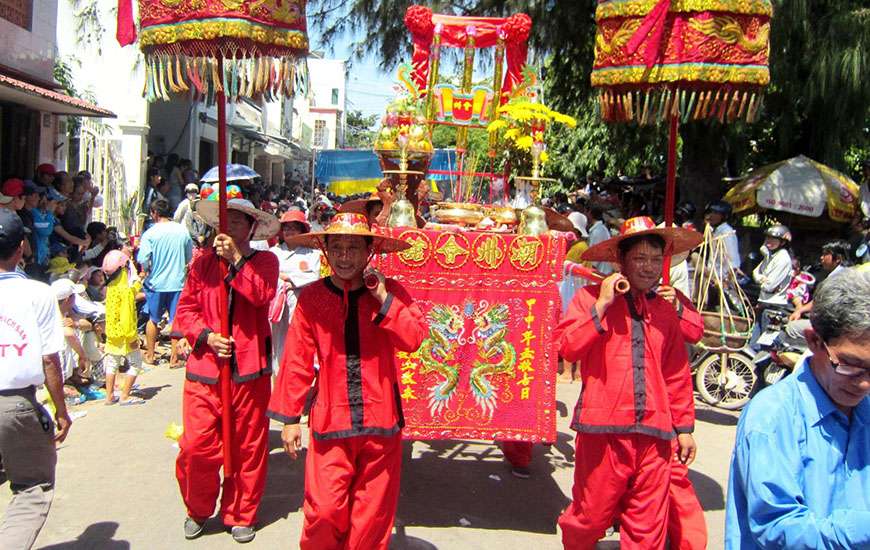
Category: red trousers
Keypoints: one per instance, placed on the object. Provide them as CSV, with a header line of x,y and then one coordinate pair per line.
x,y
351,493
687,529
201,457
517,453
619,475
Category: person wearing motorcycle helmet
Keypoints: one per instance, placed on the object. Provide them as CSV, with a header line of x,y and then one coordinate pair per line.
x,y
716,215
684,215
773,274
122,338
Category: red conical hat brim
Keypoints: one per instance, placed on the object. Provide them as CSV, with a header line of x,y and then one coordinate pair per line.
x,y
677,241
382,244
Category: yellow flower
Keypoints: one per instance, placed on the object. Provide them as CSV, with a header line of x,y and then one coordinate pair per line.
x,y
496,125
525,142
544,157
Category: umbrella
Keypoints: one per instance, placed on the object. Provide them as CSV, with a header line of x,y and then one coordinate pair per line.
x,y
235,172
798,185
663,60
218,52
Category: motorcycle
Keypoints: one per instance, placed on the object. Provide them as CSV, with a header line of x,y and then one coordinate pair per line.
x,y
777,354
724,377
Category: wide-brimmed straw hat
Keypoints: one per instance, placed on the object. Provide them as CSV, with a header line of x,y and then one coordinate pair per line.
x,y
556,221
359,206
352,224
267,224
677,240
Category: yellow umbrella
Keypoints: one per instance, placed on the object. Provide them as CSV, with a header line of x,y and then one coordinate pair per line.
x,y
800,186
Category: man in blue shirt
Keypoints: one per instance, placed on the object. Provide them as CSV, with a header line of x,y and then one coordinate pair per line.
x,y
800,472
165,252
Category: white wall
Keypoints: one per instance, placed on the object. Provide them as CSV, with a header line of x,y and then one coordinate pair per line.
x,y
324,76
113,76
32,51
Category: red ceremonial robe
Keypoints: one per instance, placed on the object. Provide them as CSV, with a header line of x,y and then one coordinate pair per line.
x,y
687,527
251,284
354,458
637,392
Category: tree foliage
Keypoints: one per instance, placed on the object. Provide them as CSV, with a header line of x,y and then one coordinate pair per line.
x,y
360,130
818,103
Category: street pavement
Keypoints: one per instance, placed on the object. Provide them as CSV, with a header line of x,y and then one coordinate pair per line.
x,y
116,485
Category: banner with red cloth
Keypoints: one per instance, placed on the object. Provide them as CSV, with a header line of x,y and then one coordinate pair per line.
x,y
487,369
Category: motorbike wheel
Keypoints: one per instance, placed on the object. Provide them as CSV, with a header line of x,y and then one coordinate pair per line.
x,y
730,390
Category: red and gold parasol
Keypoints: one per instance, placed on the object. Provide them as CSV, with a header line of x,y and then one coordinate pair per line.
x,y
218,50
680,60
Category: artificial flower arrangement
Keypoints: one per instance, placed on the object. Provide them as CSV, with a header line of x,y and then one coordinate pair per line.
x,y
405,126
522,124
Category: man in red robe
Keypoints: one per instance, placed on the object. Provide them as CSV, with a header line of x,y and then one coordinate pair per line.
x,y
687,527
637,391
354,330
251,282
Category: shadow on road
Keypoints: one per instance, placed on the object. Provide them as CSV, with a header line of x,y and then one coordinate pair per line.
x,y
96,536
448,485
401,541
709,491
714,416
284,483
150,392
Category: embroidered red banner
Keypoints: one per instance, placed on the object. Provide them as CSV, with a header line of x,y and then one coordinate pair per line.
x,y
487,369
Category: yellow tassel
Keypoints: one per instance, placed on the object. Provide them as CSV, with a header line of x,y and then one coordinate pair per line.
x,y
215,76
742,108
170,78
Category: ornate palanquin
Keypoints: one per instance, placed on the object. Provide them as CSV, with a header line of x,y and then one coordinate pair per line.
x,y
691,58
487,368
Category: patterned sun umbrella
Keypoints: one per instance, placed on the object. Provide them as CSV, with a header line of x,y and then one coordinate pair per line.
x,y
242,48
680,60
694,59
218,50
798,185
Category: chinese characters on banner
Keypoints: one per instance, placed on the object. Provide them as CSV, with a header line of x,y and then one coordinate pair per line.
x,y
487,368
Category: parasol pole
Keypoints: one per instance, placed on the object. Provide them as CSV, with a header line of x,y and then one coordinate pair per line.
x,y
670,189
225,367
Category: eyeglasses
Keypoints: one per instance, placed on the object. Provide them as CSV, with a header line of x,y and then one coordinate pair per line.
x,y
845,370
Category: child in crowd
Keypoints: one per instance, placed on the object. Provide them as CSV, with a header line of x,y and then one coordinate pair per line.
x,y
122,339
799,291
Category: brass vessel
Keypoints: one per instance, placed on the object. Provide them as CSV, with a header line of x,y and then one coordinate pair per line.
x,y
402,211
533,221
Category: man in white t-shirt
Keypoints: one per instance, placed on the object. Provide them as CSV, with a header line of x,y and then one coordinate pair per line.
x,y
31,335
599,233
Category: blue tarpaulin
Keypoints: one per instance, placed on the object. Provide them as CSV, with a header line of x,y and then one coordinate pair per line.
x,y
352,171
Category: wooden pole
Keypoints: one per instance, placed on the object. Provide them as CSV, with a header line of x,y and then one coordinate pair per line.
x,y
670,189
224,364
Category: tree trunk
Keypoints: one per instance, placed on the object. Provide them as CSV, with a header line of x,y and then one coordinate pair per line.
x,y
701,164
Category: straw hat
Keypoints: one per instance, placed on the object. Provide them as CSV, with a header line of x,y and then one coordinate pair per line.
x,y
359,206
347,223
557,221
677,240
267,224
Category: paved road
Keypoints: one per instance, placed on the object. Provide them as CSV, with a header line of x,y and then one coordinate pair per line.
x,y
116,485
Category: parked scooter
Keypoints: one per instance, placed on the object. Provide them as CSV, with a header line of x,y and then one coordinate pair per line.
x,y
777,355
725,378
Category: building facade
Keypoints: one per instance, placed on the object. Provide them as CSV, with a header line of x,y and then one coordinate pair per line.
x,y
322,112
259,132
33,109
